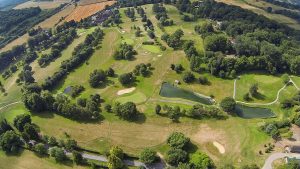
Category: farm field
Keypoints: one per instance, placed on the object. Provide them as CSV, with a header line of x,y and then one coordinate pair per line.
x,y
42,4
86,2
84,11
48,23
243,139
248,4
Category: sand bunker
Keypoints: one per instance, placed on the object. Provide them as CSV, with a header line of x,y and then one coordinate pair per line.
x,y
125,91
219,146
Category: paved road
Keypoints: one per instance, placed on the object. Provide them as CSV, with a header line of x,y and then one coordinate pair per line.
x,y
275,156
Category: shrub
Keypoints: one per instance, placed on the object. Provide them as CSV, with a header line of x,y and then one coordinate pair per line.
x,y
177,140
228,104
148,156
201,160
175,156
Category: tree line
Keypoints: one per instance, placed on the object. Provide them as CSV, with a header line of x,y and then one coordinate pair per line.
x,y
80,54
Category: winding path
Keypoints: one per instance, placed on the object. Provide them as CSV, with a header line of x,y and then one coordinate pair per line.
x,y
275,156
264,104
10,104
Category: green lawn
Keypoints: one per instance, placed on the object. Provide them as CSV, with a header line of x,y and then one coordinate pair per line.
x,y
136,97
268,87
152,48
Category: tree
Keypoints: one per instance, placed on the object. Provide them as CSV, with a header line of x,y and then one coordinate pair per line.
x,y
217,42
97,78
41,149
157,109
253,90
251,166
228,104
4,127
204,28
115,158
200,160
77,157
126,79
58,154
71,144
148,156
127,111
31,132
188,77
21,120
10,142
110,72
203,80
177,140
175,156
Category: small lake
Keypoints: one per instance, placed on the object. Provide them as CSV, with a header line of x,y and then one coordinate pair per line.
x,y
248,112
68,90
168,90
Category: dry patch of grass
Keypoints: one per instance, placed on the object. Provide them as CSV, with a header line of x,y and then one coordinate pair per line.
x,y
85,11
87,2
42,4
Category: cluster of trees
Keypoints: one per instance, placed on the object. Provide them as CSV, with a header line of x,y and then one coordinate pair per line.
x,y
258,42
197,111
194,57
41,39
76,90
142,69
174,40
37,100
161,15
114,19
228,104
273,128
135,3
290,103
64,40
126,111
80,54
127,79
178,68
26,75
15,23
130,13
125,52
9,57
148,156
99,77
179,157
8,72
115,158
204,29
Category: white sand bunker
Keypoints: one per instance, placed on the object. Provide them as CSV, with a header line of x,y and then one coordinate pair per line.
x,y
159,55
219,146
125,91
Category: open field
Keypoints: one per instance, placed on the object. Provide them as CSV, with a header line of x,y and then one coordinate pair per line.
x,y
48,23
86,2
277,17
85,11
42,4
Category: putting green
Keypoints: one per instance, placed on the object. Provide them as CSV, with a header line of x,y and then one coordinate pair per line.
x,y
128,41
137,97
151,48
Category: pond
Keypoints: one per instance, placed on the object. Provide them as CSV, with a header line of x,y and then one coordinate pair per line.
x,y
248,112
168,90
68,90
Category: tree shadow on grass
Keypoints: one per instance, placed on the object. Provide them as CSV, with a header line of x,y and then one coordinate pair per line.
x,y
46,115
259,96
191,148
